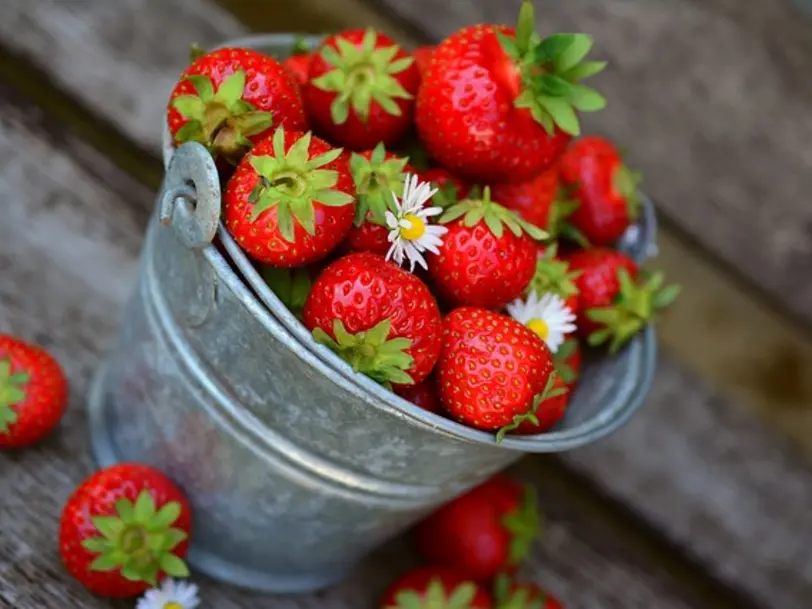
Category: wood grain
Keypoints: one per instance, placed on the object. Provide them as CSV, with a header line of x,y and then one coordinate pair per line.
x,y
68,246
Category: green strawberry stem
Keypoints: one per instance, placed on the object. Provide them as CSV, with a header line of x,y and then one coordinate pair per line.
x,y
300,46
291,286
138,540
553,275
506,598
436,597
12,392
376,178
361,76
550,391
634,307
292,183
524,526
551,72
371,352
475,210
196,52
561,359
560,211
627,183
222,121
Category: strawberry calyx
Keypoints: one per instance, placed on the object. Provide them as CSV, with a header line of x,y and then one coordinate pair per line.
x,y
560,211
376,178
627,183
635,305
524,526
292,183
551,71
561,360
436,597
12,392
221,120
553,275
475,209
371,352
291,286
512,596
361,75
195,52
300,46
550,391
138,540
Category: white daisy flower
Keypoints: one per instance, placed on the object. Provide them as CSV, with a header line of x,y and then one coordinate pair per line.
x,y
410,232
172,594
548,316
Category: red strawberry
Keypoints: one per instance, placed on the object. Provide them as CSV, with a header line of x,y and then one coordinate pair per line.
x,y
605,188
423,394
381,319
492,371
554,275
124,529
568,362
480,263
613,304
361,89
230,99
298,62
290,202
523,595
487,531
453,188
498,104
422,57
376,173
435,588
33,393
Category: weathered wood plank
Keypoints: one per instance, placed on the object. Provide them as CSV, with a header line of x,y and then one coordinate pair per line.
x,y
74,222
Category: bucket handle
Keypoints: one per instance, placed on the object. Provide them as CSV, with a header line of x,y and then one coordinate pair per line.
x,y
190,199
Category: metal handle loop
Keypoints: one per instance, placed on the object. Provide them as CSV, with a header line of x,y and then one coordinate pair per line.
x,y
190,200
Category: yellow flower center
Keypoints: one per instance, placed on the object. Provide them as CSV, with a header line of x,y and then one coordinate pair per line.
x,y
173,605
540,327
416,230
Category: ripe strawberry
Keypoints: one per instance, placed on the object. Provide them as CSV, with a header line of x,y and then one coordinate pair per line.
x,y
605,188
554,275
487,531
377,174
230,99
423,394
523,595
124,529
33,393
480,263
492,371
298,62
361,89
381,319
614,304
498,104
435,588
422,57
290,202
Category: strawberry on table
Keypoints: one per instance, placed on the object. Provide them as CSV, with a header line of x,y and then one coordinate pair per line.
x,y
435,588
488,255
361,89
230,99
124,529
553,275
298,62
381,319
290,202
422,394
487,531
605,188
523,595
615,301
499,104
33,393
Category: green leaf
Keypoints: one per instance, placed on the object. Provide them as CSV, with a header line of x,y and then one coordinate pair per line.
x,y
96,545
399,65
551,47
331,56
203,86
322,338
284,220
453,212
174,566
334,198
562,114
189,106
306,216
585,99
556,86
494,225
279,143
172,539
166,516
578,48
109,526
509,45
144,507
325,158
231,89
666,296
525,27
584,70
389,105
339,111
125,510
299,152
104,563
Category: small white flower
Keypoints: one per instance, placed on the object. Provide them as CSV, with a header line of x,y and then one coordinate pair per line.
x,y
548,316
410,232
172,594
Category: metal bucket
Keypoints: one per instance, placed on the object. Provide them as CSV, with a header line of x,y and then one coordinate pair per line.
x,y
296,467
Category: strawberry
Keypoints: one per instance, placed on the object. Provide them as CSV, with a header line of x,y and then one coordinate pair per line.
x,y
452,187
377,174
492,371
605,188
33,393
522,595
381,319
298,62
498,104
567,362
487,531
290,202
422,57
554,275
435,588
124,529
422,394
361,89
230,99
479,262
615,303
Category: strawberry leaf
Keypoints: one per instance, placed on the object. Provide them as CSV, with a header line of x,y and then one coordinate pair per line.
x,y
12,393
549,391
524,526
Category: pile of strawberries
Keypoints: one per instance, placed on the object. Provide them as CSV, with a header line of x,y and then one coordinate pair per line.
x,y
431,217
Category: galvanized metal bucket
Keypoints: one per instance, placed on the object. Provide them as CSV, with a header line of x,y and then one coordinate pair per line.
x,y
296,467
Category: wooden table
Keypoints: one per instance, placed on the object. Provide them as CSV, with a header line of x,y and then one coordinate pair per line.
x,y
702,501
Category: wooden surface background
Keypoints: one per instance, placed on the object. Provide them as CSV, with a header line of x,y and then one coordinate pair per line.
x,y
702,501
